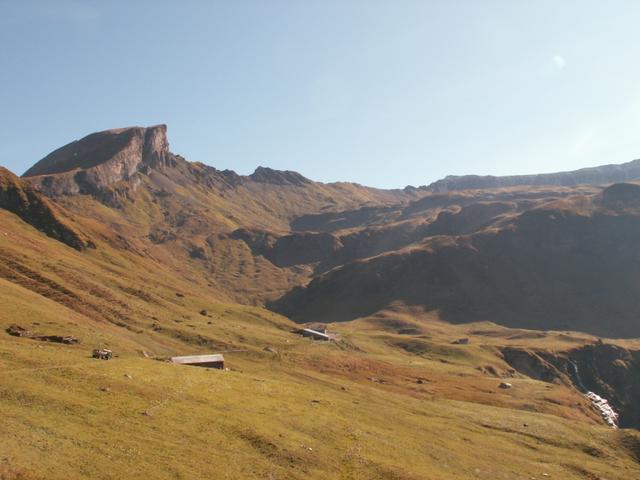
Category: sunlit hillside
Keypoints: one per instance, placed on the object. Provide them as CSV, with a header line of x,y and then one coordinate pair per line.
x,y
398,393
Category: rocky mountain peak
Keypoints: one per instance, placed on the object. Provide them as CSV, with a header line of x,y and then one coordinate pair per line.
x,y
278,177
98,161
126,147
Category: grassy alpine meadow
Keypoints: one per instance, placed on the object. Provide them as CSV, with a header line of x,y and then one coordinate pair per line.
x,y
374,404
66,415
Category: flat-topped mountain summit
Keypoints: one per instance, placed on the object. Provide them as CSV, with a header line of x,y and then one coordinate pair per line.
x,y
98,161
122,149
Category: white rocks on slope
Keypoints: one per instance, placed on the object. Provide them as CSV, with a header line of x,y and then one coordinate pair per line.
x,y
606,411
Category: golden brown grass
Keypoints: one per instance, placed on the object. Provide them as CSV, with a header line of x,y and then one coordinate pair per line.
x,y
352,409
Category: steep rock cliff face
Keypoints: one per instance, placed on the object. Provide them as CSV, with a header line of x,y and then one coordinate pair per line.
x,y
20,198
95,164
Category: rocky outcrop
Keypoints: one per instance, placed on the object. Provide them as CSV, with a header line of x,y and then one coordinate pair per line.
x,y
23,200
122,150
278,177
533,365
97,163
598,370
593,176
289,250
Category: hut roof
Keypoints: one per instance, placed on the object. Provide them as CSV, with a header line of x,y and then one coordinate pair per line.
x,y
191,359
316,333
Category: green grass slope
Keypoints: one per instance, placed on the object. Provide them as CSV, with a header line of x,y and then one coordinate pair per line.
x,y
391,399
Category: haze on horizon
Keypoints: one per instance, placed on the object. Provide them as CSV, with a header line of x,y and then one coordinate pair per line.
x,y
381,93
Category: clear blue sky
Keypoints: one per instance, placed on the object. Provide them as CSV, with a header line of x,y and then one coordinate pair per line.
x,y
384,93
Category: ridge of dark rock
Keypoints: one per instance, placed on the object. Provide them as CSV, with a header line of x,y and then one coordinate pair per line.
x,y
278,177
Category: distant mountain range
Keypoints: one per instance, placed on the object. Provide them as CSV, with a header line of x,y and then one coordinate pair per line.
x,y
549,251
585,176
